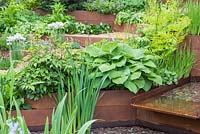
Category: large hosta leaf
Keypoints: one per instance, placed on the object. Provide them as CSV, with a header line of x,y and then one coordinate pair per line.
x,y
131,86
100,60
120,63
129,51
155,78
150,63
135,75
109,47
94,51
124,71
117,57
120,80
147,85
140,83
97,81
106,67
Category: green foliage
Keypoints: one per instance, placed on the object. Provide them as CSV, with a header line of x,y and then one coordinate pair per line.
x,y
193,8
180,62
114,6
125,66
41,76
129,17
20,20
58,13
168,77
166,27
9,16
3,39
81,28
75,114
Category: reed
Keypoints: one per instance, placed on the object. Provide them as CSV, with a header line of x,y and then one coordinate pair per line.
x,y
193,9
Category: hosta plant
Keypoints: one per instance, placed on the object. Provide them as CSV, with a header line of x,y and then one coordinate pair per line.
x,y
124,65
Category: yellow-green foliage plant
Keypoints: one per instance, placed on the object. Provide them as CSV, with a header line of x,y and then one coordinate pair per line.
x,y
165,27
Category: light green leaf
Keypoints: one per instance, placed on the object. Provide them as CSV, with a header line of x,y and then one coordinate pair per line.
x,y
94,51
150,64
147,85
97,81
120,80
120,63
131,86
155,78
106,67
109,47
117,57
135,53
86,126
135,75
100,60
124,71
140,83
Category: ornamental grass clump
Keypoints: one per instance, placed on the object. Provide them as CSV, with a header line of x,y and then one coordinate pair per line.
x,y
180,62
193,9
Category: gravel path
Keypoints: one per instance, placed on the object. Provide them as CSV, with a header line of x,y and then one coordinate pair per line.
x,y
121,130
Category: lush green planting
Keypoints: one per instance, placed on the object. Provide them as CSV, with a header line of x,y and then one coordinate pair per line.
x,y
180,62
129,17
115,6
125,66
166,27
193,8
16,18
152,58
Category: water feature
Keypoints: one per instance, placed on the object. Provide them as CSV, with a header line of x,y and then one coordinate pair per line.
x,y
182,101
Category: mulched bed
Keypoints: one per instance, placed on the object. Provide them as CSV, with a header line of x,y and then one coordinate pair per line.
x,y
120,130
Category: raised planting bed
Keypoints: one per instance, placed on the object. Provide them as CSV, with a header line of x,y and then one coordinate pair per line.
x,y
35,119
113,106
93,17
90,39
194,41
116,100
176,107
46,102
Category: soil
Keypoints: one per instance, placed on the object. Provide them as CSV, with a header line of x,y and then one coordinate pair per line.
x,y
120,130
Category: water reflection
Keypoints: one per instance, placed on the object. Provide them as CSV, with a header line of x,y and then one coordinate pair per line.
x,y
183,100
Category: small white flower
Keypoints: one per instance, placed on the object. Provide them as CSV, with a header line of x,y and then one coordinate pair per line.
x,y
16,37
56,25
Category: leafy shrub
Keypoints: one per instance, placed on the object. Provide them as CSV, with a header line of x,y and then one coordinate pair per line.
x,y
81,28
124,65
114,6
166,27
41,76
129,17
